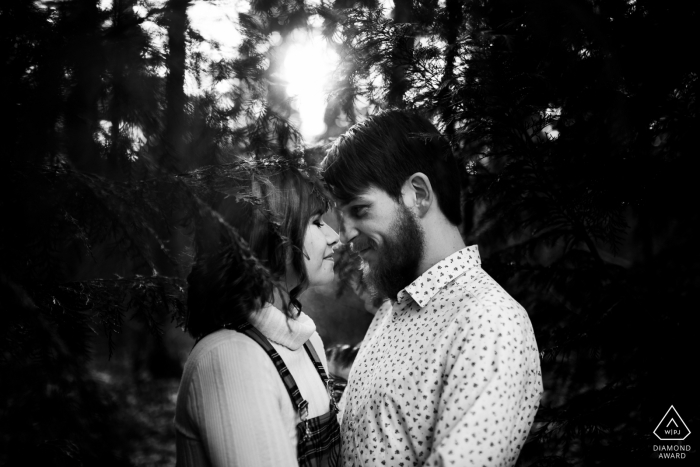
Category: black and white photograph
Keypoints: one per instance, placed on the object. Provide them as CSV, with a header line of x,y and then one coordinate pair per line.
x,y
349,233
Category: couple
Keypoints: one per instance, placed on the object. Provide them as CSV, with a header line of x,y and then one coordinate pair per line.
x,y
448,372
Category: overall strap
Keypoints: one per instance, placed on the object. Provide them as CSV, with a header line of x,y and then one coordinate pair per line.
x,y
299,402
328,382
317,362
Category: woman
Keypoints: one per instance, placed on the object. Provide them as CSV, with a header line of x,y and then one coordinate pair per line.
x,y
254,391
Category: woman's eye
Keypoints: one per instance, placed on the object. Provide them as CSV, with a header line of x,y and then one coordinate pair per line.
x,y
319,223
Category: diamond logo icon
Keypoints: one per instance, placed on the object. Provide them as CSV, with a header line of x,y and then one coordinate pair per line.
x,y
672,427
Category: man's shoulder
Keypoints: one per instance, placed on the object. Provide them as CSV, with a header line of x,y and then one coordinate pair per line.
x,y
479,285
479,300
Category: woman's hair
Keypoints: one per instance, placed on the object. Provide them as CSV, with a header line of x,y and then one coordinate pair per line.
x,y
271,212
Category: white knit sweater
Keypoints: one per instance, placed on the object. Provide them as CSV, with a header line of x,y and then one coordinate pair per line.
x,y
232,407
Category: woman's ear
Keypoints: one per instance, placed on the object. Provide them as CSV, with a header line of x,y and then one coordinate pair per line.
x,y
418,193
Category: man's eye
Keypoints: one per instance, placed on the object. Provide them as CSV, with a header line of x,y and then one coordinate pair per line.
x,y
360,211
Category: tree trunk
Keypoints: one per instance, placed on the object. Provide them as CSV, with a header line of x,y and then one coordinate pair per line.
x,y
173,155
124,57
82,115
401,56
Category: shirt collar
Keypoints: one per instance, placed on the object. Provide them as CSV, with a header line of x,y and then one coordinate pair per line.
x,y
289,332
423,289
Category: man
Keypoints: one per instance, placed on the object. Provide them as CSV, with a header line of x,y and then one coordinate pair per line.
x,y
449,372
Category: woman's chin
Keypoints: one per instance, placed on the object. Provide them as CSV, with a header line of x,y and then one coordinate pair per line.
x,y
326,279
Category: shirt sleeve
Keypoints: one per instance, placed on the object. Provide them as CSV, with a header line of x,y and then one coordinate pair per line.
x,y
490,392
238,408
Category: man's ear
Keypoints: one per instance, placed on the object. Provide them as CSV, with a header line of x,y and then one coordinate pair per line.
x,y
418,193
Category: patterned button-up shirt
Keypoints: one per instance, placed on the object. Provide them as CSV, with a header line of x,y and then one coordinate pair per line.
x,y
449,374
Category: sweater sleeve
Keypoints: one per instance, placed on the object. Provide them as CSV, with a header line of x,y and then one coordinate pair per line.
x,y
236,402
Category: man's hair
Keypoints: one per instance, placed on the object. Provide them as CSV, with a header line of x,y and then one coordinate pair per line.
x,y
387,148
221,290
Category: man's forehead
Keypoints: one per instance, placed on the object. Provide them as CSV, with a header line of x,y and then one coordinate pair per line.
x,y
368,195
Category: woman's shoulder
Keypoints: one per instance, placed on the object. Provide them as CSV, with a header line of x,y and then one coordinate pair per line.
x,y
226,347
226,366
222,337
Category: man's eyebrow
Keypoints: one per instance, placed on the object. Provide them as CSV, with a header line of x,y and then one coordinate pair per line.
x,y
354,201
364,198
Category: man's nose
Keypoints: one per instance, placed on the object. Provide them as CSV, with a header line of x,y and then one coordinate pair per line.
x,y
331,236
346,229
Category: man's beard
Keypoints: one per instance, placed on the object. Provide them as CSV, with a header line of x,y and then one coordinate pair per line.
x,y
398,258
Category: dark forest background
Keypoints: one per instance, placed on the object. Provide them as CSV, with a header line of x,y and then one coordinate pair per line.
x,y
576,122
